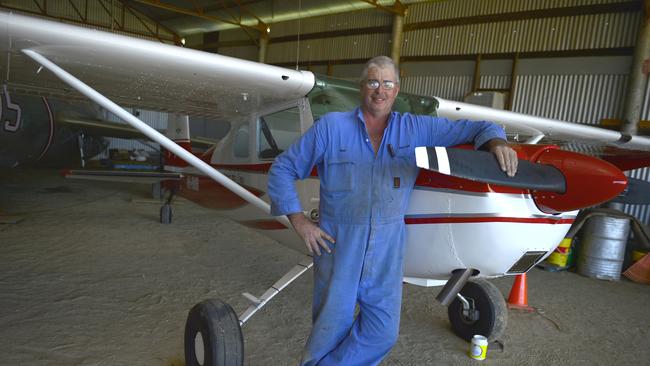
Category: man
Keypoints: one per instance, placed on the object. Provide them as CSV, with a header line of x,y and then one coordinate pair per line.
x,y
366,166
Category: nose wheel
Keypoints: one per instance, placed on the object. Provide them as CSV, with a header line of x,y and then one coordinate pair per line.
x,y
213,336
479,308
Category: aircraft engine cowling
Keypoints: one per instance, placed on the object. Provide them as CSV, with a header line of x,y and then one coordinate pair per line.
x,y
589,180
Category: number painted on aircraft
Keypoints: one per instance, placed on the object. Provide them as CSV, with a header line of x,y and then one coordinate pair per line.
x,y
11,120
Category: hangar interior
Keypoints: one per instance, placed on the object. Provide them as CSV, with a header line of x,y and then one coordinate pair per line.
x,y
570,60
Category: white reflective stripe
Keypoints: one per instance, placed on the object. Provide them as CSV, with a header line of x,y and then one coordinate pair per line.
x,y
443,160
421,157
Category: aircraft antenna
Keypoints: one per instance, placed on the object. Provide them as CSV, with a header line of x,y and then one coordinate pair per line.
x,y
298,42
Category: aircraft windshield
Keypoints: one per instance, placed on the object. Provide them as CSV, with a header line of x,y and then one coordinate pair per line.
x,y
332,95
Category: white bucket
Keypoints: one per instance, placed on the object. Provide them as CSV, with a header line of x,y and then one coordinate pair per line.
x,y
478,347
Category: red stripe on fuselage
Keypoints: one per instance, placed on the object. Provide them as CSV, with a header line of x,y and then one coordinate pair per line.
x,y
472,220
254,168
275,225
263,224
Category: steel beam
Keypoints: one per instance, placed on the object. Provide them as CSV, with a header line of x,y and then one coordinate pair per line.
x,y
83,19
638,76
398,33
202,15
398,8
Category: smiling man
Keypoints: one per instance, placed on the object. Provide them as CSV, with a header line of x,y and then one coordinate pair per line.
x,y
366,165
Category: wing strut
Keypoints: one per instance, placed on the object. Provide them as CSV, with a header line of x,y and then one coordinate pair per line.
x,y
280,285
153,134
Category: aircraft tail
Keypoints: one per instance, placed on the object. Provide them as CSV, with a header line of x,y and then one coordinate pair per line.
x,y
178,130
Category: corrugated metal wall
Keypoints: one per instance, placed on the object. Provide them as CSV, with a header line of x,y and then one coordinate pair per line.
x,y
339,48
466,8
608,30
336,22
453,87
549,34
576,98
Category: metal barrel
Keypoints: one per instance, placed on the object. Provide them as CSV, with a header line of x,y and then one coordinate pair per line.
x,y
603,247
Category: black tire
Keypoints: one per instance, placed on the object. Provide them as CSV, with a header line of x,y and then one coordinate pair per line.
x,y
215,324
166,214
492,316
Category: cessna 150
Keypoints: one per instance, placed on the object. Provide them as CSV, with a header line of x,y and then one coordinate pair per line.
x,y
457,227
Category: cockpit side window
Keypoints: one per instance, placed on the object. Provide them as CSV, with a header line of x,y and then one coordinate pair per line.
x,y
277,131
240,145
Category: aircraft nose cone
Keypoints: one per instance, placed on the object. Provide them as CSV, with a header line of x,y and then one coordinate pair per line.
x,y
589,181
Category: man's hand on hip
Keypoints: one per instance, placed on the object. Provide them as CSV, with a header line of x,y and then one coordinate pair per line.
x,y
310,233
506,156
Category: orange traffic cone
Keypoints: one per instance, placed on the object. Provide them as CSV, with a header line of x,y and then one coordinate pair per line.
x,y
518,298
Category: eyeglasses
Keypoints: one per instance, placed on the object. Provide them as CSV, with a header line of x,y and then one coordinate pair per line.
x,y
374,84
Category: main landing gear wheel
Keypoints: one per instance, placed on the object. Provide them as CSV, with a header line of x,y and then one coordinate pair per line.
x,y
486,315
213,336
166,214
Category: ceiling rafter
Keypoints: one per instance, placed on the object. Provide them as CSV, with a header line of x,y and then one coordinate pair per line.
x,y
109,12
138,15
398,8
43,10
81,16
206,9
202,15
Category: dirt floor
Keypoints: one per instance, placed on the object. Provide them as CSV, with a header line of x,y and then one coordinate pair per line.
x,y
89,277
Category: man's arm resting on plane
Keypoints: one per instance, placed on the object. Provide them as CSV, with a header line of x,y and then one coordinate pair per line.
x,y
310,233
506,156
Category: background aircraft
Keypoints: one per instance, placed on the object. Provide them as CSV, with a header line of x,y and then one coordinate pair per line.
x,y
51,132
33,132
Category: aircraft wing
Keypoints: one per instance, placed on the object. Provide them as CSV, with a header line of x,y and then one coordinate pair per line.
x,y
142,73
537,128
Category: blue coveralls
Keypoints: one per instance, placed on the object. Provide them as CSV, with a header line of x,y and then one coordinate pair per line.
x,y
363,199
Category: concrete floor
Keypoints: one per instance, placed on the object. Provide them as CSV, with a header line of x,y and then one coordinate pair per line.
x,y
90,277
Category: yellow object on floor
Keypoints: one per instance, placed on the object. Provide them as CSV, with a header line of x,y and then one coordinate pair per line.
x,y
560,256
637,255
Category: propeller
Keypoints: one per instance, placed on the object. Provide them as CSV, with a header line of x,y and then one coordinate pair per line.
x,y
482,166
637,192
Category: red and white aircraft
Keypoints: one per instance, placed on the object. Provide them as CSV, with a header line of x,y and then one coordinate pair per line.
x,y
457,227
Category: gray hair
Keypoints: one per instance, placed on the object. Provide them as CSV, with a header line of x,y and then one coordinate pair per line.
x,y
381,62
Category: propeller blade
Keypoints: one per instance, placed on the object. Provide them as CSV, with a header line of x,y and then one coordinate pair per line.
x,y
637,192
482,166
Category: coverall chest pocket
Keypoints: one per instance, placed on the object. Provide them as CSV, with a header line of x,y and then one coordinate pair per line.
x,y
340,176
402,176
403,165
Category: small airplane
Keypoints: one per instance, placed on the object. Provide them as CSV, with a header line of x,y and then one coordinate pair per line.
x,y
464,221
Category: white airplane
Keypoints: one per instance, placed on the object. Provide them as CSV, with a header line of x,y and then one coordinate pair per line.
x,y
457,227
